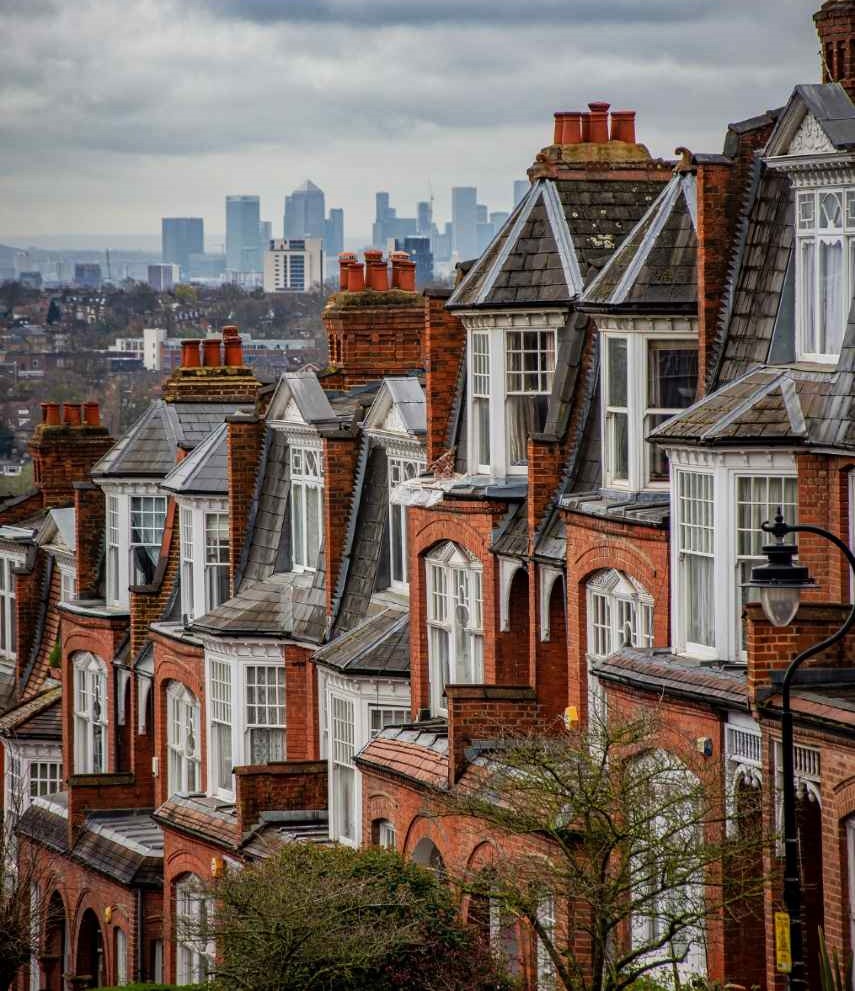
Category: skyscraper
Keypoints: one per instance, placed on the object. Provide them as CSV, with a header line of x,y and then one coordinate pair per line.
x,y
305,211
334,233
181,237
521,187
424,217
464,208
388,225
243,219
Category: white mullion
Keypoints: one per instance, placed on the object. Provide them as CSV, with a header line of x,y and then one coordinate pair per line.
x,y
498,404
636,374
199,560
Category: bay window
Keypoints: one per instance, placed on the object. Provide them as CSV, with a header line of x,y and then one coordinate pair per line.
x,y
204,560
90,715
400,470
620,613
8,618
717,513
455,624
113,552
307,482
511,370
134,531
825,262
265,713
182,739
646,380
220,695
343,739
216,559
188,578
148,514
379,717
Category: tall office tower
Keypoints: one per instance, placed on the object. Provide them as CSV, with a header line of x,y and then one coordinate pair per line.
x,y
265,234
382,211
305,210
181,237
294,265
424,217
419,250
334,233
498,218
521,187
484,234
464,203
242,228
87,275
388,225
482,214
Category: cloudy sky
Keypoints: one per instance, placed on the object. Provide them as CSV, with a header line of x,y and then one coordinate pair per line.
x,y
115,113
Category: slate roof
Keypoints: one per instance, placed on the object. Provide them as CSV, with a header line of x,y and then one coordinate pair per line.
x,y
148,449
409,399
38,718
511,538
199,816
660,671
124,846
205,470
278,829
306,391
656,266
417,753
651,511
557,238
830,106
380,645
262,608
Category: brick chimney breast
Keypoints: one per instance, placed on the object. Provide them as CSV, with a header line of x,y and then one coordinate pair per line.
x,y
835,25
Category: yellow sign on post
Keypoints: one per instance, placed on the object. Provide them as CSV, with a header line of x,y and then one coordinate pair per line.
x,y
783,953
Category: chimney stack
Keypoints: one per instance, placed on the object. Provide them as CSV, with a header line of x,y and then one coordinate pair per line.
x,y
189,354
72,414
568,127
92,414
599,123
212,353
835,25
345,260
623,126
403,272
585,124
376,271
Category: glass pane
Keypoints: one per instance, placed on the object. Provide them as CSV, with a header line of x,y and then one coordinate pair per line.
x,y
831,296
808,288
618,446
672,374
525,416
657,459
297,533
617,371
482,425
700,599
313,526
831,211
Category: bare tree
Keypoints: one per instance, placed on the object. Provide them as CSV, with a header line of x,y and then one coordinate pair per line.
x,y
626,847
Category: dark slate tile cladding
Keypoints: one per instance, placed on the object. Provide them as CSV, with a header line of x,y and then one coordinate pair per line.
x,y
309,607
670,273
512,536
759,275
369,543
379,645
271,511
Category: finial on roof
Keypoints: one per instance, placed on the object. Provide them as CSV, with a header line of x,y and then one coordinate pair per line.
x,y
686,163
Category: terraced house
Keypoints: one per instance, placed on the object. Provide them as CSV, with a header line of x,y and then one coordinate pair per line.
x,y
296,611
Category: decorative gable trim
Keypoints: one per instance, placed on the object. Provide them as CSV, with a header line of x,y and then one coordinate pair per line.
x,y
292,413
563,239
810,139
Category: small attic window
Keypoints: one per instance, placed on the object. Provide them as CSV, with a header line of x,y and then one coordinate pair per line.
x,y
825,270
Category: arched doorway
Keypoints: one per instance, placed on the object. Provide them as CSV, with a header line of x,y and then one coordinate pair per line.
x,y
54,955
426,854
90,952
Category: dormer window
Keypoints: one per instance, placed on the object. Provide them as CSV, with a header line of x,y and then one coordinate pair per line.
x,y
511,369
455,621
90,715
135,522
646,379
204,560
307,486
401,469
8,607
825,262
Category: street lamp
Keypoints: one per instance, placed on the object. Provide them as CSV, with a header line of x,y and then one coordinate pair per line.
x,y
780,584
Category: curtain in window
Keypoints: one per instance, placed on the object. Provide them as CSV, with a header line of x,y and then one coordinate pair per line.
x,y
831,295
525,415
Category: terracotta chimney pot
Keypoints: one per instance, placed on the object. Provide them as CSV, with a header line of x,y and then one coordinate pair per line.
x,y
623,126
372,255
404,276
92,414
190,354
71,414
234,352
599,122
230,331
377,274
50,414
355,278
211,352
571,128
345,260
585,126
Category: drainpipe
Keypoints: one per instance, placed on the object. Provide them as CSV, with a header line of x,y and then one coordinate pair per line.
x,y
140,976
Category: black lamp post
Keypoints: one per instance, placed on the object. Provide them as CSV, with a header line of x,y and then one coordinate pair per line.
x,y
780,583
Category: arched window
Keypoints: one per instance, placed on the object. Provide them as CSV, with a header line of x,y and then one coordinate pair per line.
x,y
455,623
383,834
620,613
194,947
90,715
121,953
182,737
426,854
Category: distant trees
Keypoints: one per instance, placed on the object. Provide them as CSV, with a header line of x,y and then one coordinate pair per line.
x,y
336,919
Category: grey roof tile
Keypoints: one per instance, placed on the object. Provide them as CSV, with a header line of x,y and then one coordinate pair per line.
x,y
205,470
379,645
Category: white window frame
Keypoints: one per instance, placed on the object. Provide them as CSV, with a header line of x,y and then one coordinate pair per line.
x,y
809,232
183,740
264,710
8,607
725,468
546,975
497,381
67,583
343,739
121,954
455,608
381,716
119,558
44,777
200,556
400,469
151,511
386,838
611,593
226,709
306,460
90,714
194,957
639,451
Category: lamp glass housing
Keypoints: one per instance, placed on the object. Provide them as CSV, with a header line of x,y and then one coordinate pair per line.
x,y
780,603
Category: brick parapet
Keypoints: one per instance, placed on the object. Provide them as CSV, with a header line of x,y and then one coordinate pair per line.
x,y
294,785
214,384
63,455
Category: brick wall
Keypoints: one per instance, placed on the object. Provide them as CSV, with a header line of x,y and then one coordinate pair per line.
x,y
211,385
835,25
246,433
89,522
28,582
293,786
486,712
341,451
63,455
445,344
301,703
